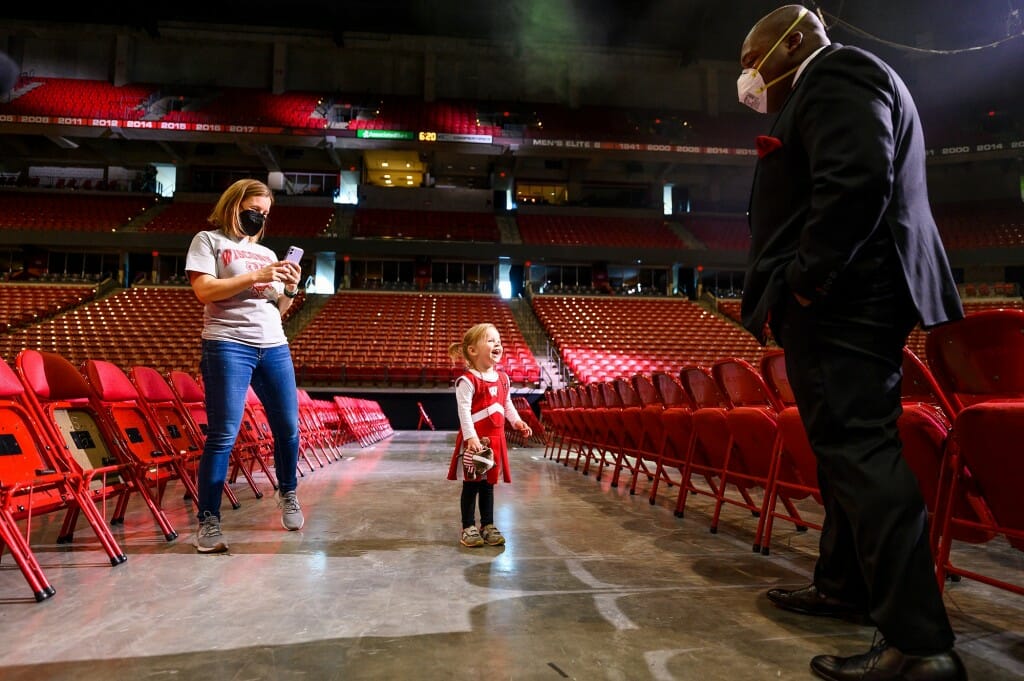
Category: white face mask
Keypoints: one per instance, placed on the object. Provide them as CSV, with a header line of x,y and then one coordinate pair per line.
x,y
750,86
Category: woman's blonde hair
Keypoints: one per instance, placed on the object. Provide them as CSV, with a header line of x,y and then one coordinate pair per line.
x,y
225,213
459,351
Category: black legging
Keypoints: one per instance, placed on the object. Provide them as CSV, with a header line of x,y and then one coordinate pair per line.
x,y
470,490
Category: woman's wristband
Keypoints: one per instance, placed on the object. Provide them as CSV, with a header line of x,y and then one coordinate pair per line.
x,y
292,294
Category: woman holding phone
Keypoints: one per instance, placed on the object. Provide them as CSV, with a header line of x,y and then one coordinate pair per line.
x,y
246,289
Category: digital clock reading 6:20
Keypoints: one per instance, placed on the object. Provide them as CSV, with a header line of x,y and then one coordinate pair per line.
x,y
428,137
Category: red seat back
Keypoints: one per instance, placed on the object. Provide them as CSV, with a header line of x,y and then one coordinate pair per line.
x,y
919,385
50,376
980,357
704,392
773,371
151,384
187,387
109,381
743,384
983,433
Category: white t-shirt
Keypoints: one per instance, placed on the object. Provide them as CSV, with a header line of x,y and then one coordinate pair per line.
x,y
250,317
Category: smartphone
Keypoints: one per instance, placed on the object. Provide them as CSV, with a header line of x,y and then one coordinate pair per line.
x,y
294,254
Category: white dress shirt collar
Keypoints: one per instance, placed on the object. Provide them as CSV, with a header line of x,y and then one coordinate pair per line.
x,y
805,62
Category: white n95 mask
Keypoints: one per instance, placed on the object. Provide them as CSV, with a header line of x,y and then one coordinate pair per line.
x,y
750,86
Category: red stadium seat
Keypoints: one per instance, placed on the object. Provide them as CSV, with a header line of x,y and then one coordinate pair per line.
x,y
313,432
977,362
127,421
33,481
752,462
167,412
677,436
711,444
795,469
192,398
72,414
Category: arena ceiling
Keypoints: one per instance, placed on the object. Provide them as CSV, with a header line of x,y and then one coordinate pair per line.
x,y
696,29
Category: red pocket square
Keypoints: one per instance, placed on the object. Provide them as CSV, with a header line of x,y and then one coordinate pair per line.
x,y
766,145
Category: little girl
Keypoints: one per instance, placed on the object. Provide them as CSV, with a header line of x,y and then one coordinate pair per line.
x,y
484,402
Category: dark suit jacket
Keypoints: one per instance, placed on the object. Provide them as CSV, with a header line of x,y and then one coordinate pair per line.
x,y
847,184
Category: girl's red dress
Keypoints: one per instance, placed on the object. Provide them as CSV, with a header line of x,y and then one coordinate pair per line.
x,y
488,409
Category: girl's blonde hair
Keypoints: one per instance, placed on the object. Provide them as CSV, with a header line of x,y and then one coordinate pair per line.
x,y
225,213
459,351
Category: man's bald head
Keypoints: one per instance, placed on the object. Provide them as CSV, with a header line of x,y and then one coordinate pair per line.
x,y
798,37
777,21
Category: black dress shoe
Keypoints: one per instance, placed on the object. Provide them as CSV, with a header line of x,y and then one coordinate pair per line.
x,y
810,601
885,663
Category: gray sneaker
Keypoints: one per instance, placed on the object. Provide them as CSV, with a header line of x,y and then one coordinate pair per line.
x,y
291,512
471,537
208,537
492,535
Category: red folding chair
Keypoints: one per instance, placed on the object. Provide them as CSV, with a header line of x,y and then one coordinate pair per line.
x,y
637,441
978,362
977,359
651,427
751,461
364,419
603,427
527,414
712,445
563,423
576,429
677,437
329,415
795,469
192,398
256,442
985,460
33,481
622,427
424,419
158,399
126,420
712,442
553,415
924,432
313,431
353,420
65,400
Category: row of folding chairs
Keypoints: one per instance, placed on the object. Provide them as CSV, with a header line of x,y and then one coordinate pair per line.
x,y
79,439
363,420
732,431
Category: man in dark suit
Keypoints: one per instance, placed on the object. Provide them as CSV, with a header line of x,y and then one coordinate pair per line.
x,y
845,260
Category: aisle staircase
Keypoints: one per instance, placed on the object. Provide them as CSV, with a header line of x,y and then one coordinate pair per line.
x,y
552,373
508,229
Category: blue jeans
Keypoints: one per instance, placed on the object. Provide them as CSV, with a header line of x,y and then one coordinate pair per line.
x,y
228,369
